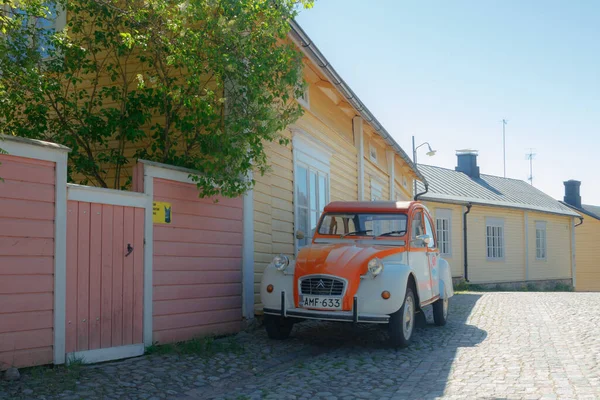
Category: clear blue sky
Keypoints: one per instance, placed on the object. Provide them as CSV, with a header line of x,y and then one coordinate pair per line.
x,y
448,72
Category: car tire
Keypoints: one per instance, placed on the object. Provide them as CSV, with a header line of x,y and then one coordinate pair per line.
x,y
440,311
402,322
278,328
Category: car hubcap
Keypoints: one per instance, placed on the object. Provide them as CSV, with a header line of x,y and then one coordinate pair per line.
x,y
408,320
445,308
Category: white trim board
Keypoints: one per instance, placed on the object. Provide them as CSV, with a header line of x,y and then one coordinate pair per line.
x,y
357,128
248,254
106,196
169,172
36,149
60,258
148,254
101,355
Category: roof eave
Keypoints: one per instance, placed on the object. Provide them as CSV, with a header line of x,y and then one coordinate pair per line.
x,y
581,210
483,203
314,54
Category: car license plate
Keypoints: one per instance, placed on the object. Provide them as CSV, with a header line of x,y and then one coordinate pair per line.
x,y
321,302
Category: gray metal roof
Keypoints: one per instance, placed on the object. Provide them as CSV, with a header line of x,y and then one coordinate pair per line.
x,y
450,186
586,209
593,210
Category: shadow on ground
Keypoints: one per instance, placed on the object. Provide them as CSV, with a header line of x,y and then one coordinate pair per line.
x,y
319,360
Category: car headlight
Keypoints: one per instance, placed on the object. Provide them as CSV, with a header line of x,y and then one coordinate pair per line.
x,y
375,266
281,262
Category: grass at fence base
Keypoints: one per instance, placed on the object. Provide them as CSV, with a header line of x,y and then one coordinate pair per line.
x,y
200,346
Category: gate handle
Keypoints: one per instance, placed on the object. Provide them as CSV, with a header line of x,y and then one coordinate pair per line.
x,y
129,249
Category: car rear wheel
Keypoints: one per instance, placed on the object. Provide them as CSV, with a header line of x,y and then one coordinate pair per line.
x,y
278,328
440,311
402,322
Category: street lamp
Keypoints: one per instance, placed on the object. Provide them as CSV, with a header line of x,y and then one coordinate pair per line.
x,y
430,153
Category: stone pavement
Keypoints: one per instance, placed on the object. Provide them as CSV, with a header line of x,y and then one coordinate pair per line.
x,y
496,346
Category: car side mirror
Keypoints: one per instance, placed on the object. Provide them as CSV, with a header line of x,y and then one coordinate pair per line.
x,y
299,235
425,239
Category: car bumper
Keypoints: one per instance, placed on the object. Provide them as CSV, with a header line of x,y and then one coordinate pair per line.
x,y
340,316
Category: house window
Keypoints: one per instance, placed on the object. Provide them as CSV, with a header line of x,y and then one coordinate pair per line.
x,y
311,184
443,223
540,240
54,22
373,154
304,99
494,238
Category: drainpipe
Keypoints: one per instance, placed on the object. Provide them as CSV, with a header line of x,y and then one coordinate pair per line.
x,y
580,222
422,193
465,240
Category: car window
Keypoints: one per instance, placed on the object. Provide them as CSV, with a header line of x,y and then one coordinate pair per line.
x,y
416,228
337,224
430,232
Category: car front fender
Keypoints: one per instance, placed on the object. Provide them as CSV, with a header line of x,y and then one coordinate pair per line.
x,y
393,279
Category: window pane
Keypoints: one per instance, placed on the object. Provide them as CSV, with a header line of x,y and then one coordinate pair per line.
x,y
303,225
322,192
313,190
301,188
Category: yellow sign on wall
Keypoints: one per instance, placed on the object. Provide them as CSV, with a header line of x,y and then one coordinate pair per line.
x,y
161,212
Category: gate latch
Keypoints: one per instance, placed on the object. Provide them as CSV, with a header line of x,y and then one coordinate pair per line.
x,y
129,249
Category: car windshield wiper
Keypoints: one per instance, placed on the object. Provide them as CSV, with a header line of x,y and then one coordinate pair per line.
x,y
391,233
356,233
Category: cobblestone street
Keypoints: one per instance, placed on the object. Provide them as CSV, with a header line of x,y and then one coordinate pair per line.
x,y
496,345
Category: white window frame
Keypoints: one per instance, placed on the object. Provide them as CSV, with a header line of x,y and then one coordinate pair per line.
x,y
313,155
59,22
495,226
541,241
304,100
372,153
444,236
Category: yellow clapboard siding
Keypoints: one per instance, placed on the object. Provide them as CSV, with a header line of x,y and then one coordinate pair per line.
x,y
587,237
512,266
557,264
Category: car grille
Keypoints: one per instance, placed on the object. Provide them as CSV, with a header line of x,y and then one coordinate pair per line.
x,y
322,286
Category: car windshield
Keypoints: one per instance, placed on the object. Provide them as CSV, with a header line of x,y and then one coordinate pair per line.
x,y
347,225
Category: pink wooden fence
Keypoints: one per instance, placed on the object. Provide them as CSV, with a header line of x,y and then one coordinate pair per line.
x,y
197,265
71,289
26,261
104,282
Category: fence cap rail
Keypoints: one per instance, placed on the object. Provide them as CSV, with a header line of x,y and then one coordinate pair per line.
x,y
34,142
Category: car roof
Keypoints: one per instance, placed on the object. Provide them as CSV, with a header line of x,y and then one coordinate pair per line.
x,y
369,206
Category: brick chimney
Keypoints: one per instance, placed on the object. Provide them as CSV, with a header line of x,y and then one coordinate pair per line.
x,y
572,193
467,162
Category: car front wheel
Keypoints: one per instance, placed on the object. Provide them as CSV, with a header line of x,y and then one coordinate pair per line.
x,y
440,311
402,322
278,328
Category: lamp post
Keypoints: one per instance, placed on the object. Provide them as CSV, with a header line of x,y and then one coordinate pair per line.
x,y
430,153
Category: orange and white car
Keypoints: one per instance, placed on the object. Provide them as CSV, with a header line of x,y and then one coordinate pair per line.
x,y
373,262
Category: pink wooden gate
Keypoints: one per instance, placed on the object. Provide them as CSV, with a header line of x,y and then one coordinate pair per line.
x,y
105,277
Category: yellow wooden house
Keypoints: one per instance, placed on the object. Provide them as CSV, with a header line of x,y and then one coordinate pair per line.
x,y
338,151
587,237
495,230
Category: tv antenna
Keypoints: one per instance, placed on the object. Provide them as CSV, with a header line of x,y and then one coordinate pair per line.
x,y
530,156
